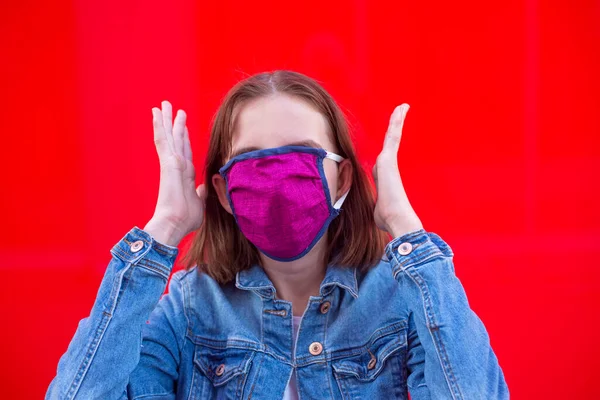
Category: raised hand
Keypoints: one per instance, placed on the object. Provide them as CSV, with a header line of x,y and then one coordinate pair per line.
x,y
393,212
180,206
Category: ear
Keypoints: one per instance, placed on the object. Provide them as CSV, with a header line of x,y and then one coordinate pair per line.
x,y
345,173
221,188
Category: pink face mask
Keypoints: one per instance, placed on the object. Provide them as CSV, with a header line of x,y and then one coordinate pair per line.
x,y
280,198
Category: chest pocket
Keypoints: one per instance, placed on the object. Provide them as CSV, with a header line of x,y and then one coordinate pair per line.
x,y
377,370
220,373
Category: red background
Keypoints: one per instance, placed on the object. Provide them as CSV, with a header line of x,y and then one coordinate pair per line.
x,y
500,152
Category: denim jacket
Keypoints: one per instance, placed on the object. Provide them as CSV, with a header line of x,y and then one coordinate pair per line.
x,y
403,326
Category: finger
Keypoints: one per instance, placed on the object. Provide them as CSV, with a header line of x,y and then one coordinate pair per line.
x,y
187,147
163,145
374,173
179,131
167,114
394,133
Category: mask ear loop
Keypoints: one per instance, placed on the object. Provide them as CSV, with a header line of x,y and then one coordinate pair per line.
x,y
338,159
334,156
338,203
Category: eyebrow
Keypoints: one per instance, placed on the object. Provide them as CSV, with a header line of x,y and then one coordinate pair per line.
x,y
308,143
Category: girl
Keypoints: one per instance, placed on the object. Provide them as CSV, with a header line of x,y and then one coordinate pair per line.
x,y
286,293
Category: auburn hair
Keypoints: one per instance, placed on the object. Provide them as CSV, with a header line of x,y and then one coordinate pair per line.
x,y
220,249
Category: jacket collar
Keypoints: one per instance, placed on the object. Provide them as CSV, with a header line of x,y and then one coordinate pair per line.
x,y
256,279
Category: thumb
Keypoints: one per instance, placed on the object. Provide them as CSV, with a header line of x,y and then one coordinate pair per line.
x,y
201,191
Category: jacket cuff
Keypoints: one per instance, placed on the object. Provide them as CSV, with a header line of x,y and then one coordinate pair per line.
x,y
139,247
415,248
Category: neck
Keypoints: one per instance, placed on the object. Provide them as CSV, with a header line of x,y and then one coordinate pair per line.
x,y
297,280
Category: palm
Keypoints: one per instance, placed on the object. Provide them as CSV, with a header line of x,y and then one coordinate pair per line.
x,y
385,172
179,201
393,212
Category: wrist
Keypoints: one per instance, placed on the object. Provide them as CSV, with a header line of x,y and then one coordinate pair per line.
x,y
163,232
402,226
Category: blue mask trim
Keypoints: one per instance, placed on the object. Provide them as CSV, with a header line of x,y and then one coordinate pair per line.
x,y
321,154
229,198
272,151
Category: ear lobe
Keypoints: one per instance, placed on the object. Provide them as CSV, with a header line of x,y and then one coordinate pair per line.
x,y
221,188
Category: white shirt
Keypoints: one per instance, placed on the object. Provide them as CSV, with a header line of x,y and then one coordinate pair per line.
x,y
291,391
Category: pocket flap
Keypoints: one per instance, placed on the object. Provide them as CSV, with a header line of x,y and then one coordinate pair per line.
x,y
221,365
366,365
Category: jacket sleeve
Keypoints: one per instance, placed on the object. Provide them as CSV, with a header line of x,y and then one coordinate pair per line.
x,y
106,347
449,351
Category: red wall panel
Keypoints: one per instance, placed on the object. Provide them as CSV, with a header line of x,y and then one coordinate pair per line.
x,y
500,152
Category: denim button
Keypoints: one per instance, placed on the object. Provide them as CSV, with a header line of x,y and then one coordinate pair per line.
x,y
315,348
220,370
405,249
372,363
137,246
325,307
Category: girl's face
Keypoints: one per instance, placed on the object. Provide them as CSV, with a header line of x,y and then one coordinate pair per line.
x,y
281,120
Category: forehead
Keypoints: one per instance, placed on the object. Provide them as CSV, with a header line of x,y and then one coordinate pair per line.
x,y
279,120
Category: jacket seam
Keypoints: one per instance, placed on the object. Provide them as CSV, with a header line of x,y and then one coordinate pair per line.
x,y
147,396
164,269
420,258
89,356
451,380
154,269
328,364
179,278
262,358
99,334
182,338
